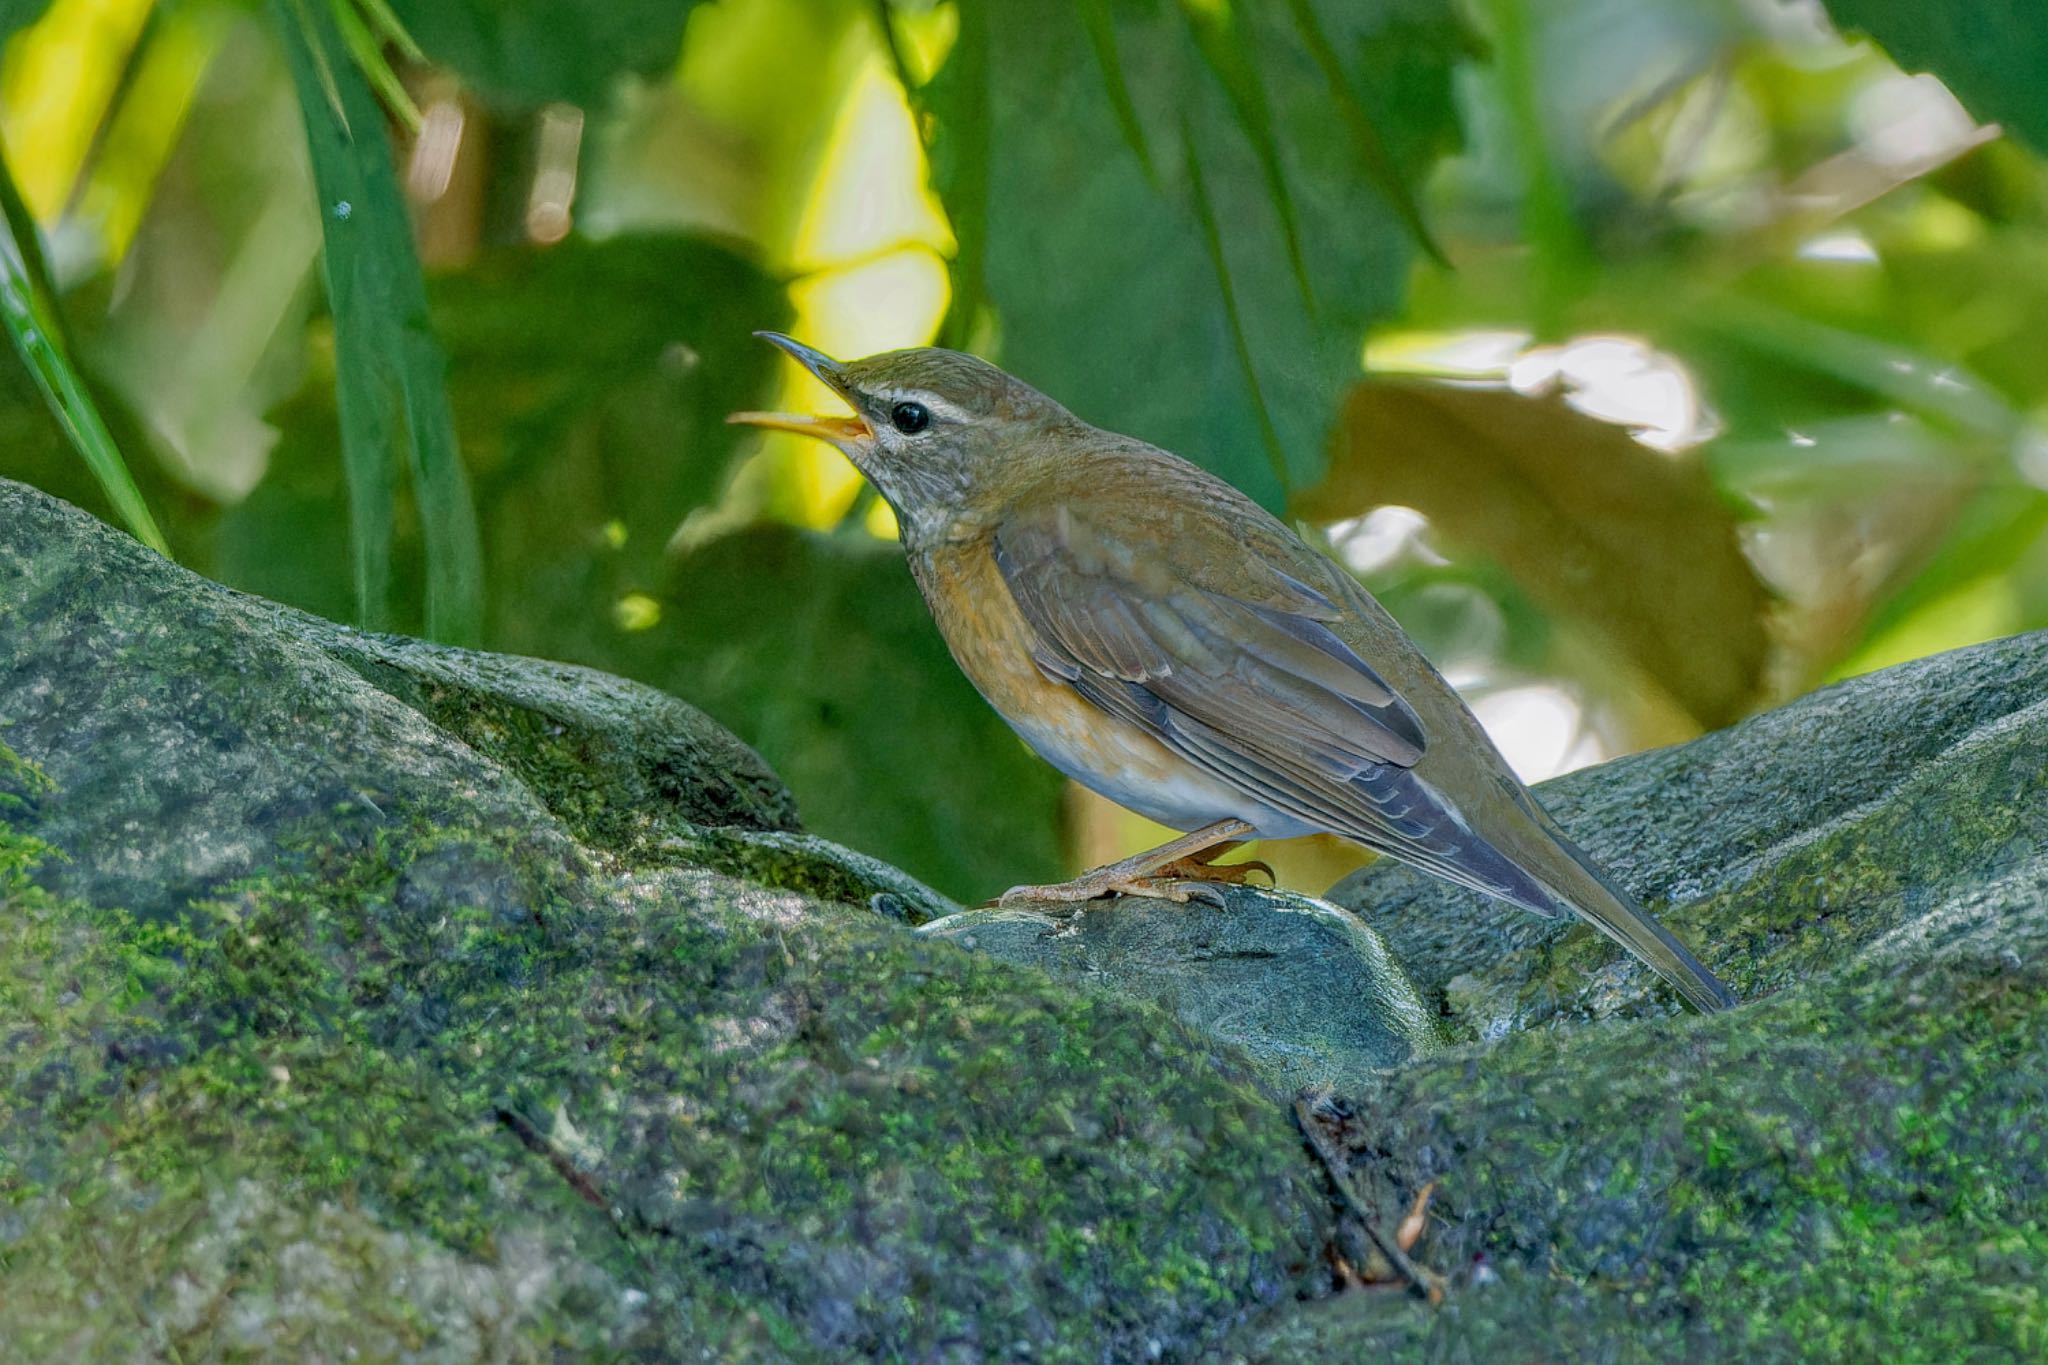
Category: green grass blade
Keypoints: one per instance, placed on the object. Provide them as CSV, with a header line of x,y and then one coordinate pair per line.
x,y
367,49
389,369
1564,258
391,28
961,162
28,308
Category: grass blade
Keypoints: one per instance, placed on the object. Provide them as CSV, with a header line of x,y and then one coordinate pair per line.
x,y
389,370
961,155
1563,256
368,50
28,309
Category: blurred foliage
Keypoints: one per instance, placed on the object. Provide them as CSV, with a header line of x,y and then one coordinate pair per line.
x,y
1198,240
1603,530
524,53
1745,322
1990,52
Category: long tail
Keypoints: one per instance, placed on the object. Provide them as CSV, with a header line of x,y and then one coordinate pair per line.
x,y
1520,855
1591,895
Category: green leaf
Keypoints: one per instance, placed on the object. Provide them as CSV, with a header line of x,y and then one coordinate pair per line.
x,y
522,53
590,383
961,162
1991,53
1595,526
389,369
28,309
19,14
2002,523
818,651
1189,250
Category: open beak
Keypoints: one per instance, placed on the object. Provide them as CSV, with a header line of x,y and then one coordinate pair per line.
x,y
840,431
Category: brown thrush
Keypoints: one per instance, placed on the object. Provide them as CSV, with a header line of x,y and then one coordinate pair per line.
x,y
1161,639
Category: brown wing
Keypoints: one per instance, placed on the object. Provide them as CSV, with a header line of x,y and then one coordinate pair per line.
x,y
1251,682
1248,682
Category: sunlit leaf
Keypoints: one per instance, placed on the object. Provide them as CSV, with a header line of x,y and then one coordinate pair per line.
x,y
389,368
1146,245
1991,53
28,310
1598,528
522,53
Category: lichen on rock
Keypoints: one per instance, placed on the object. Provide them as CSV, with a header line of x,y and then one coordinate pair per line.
x,y
356,991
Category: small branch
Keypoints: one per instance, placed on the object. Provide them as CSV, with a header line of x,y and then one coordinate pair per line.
x,y
1423,1284
537,1143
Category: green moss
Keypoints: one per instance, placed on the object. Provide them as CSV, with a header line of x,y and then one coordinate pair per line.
x,y
22,784
784,1113
1855,1168
809,865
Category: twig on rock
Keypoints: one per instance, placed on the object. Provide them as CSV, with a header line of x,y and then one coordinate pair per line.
x,y
1423,1284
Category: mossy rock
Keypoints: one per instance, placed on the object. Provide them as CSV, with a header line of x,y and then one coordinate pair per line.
x,y
362,996
1851,1165
1307,992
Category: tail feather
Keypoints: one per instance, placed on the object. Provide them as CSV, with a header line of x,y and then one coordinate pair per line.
x,y
1592,895
1520,856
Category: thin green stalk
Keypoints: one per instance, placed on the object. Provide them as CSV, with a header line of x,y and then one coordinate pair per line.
x,y
28,309
390,390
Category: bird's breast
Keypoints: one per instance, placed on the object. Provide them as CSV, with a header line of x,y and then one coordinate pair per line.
x,y
992,643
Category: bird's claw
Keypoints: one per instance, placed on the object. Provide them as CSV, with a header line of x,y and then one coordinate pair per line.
x,y
1179,890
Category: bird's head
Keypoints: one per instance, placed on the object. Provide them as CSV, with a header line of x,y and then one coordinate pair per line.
x,y
936,431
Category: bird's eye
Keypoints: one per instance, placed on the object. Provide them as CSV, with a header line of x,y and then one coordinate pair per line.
x,y
910,418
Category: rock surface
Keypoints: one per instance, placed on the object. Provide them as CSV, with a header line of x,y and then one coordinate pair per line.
x,y
363,997
357,994
1852,1165
1306,990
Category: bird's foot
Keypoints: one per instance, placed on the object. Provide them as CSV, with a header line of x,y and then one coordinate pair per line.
x,y
1200,869
1178,871
1176,888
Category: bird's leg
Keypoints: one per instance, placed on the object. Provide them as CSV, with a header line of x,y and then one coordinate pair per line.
x,y
1157,873
1201,866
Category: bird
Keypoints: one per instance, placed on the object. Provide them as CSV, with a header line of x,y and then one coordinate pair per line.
x,y
1166,642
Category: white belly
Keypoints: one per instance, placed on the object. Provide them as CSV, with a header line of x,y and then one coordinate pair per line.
x,y
1140,774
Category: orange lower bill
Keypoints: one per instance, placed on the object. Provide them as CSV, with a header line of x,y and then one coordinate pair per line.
x,y
833,429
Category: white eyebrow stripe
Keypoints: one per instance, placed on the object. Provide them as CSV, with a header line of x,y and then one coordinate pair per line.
x,y
939,406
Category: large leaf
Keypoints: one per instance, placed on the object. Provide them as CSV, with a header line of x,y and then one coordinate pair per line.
x,y
1992,53
1182,216
590,383
388,367
520,53
818,651
1596,526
